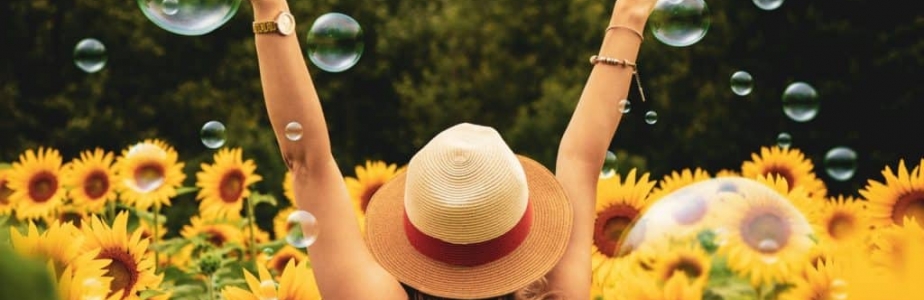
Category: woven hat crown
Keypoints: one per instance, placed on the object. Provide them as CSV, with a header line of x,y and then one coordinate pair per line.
x,y
465,186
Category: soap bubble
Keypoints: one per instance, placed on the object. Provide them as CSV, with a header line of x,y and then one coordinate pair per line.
x,y
742,83
293,131
213,134
784,140
723,215
800,102
303,229
768,4
335,42
189,17
841,163
610,165
680,23
625,106
90,55
651,117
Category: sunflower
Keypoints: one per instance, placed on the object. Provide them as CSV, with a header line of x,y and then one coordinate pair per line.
x,y
819,283
132,267
216,233
618,205
6,202
892,246
68,213
687,259
368,180
643,286
148,174
224,184
60,244
85,278
841,221
296,283
90,179
677,180
798,197
727,173
281,258
287,188
789,163
767,239
902,195
36,183
147,230
281,223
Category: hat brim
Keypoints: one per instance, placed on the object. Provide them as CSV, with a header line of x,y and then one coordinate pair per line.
x,y
536,256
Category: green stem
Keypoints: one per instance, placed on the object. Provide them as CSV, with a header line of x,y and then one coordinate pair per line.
x,y
210,285
110,211
156,236
252,223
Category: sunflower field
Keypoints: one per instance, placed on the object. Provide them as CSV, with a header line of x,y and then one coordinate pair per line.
x,y
95,226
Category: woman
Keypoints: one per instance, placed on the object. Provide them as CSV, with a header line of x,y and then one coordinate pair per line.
x,y
469,219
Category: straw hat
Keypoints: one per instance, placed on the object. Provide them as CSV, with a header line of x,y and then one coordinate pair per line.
x,y
468,218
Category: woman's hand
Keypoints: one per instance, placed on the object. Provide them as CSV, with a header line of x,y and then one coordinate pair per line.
x,y
633,13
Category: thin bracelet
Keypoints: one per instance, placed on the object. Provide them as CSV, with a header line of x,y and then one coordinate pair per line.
x,y
633,30
595,59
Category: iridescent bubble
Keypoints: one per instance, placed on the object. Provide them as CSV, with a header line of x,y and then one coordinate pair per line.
x,y
625,106
651,117
784,140
170,7
680,23
90,55
725,214
610,165
768,4
213,134
294,131
742,83
189,17
303,229
335,42
841,163
800,102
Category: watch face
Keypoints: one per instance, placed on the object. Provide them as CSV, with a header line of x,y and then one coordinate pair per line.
x,y
286,23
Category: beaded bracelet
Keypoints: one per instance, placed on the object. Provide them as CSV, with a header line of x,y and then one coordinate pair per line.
x,y
595,59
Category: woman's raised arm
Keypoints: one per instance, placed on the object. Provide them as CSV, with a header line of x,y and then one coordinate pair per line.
x,y
343,267
588,136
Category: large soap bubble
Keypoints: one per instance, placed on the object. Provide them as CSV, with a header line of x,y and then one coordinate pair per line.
x,y
680,23
759,232
189,17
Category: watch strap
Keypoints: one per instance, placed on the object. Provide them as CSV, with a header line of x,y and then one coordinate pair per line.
x,y
265,27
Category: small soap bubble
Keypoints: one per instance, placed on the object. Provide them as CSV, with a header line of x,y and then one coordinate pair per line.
x,y
90,55
784,140
303,229
189,17
610,165
841,163
800,102
268,251
768,4
170,7
213,134
294,131
651,117
335,42
625,106
742,83
680,23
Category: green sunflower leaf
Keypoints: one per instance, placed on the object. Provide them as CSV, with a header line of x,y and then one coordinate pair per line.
x,y
149,293
706,240
774,291
256,198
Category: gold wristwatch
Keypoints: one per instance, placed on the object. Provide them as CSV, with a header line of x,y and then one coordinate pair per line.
x,y
284,24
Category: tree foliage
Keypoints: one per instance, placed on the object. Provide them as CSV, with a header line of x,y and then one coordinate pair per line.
x,y
516,65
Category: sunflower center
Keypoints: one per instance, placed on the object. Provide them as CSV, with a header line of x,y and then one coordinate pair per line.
x,y
782,172
367,194
231,186
841,226
5,193
149,177
42,186
909,205
122,269
690,211
96,185
689,266
279,263
71,217
216,237
609,226
765,232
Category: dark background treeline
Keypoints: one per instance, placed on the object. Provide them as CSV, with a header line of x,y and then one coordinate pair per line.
x,y
516,65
